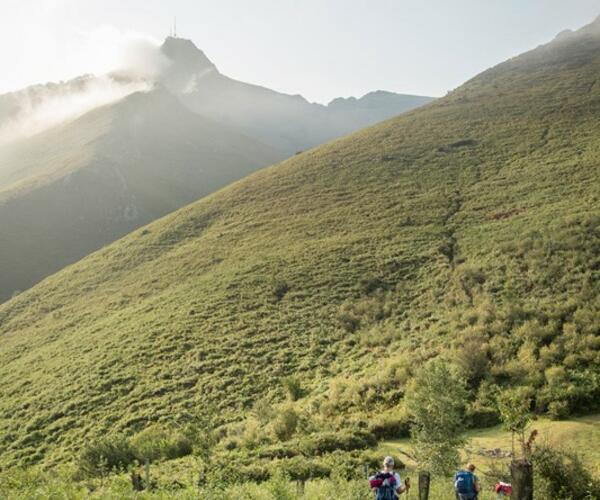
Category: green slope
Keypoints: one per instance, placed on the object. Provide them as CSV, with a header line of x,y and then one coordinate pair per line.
x,y
468,226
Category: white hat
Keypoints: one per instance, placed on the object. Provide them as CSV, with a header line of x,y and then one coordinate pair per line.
x,y
388,461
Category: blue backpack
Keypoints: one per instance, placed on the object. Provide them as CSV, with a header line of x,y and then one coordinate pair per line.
x,y
387,490
464,483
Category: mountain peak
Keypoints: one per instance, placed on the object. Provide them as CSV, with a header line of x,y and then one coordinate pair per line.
x,y
183,52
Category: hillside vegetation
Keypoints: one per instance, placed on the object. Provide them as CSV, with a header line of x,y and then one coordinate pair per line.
x,y
175,479
467,229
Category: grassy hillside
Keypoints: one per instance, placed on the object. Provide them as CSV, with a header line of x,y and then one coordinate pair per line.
x,y
72,189
468,228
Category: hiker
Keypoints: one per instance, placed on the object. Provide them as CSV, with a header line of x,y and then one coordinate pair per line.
x,y
466,484
503,490
387,483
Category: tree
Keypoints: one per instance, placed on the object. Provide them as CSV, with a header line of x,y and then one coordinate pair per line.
x,y
515,411
436,402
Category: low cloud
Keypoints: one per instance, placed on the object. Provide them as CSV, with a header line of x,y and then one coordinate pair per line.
x,y
126,62
44,106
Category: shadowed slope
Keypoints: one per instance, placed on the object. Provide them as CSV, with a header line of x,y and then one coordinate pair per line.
x,y
70,190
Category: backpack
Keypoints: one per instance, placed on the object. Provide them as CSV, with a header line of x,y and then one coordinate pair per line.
x,y
385,483
463,483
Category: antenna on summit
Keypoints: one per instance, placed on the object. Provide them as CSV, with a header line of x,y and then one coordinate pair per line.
x,y
175,27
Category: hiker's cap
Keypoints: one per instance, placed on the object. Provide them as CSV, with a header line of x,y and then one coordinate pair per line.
x,y
388,461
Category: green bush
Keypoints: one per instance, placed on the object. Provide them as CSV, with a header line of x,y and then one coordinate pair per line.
x,y
255,473
327,442
293,388
285,424
155,443
389,427
105,455
278,451
302,468
560,474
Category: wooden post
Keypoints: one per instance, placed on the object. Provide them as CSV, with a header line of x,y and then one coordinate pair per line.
x,y
366,469
521,473
424,480
147,474
300,488
136,481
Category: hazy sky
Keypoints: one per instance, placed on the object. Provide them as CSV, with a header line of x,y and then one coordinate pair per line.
x,y
318,48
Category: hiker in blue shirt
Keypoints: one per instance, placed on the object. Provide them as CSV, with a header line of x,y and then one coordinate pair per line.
x,y
466,484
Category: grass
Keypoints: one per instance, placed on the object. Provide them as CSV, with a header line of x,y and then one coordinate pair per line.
x,y
277,489
580,434
468,229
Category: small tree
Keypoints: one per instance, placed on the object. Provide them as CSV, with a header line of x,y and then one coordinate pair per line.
x,y
515,411
436,401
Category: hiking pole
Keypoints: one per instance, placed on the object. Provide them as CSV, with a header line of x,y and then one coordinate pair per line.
x,y
407,486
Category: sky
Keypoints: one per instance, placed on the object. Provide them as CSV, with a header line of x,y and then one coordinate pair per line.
x,y
320,49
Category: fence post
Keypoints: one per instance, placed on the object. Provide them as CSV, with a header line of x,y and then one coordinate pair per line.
x,y
147,474
521,473
424,480
136,481
300,488
366,469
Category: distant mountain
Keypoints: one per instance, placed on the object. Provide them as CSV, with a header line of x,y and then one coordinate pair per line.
x,y
81,164
76,187
467,229
289,123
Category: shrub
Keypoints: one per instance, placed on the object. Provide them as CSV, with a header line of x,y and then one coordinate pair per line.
x,y
285,424
278,451
106,455
367,311
560,474
155,443
483,412
390,427
254,473
326,442
302,469
558,410
280,288
293,388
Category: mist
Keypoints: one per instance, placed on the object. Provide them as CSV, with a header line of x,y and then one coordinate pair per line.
x,y
37,108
